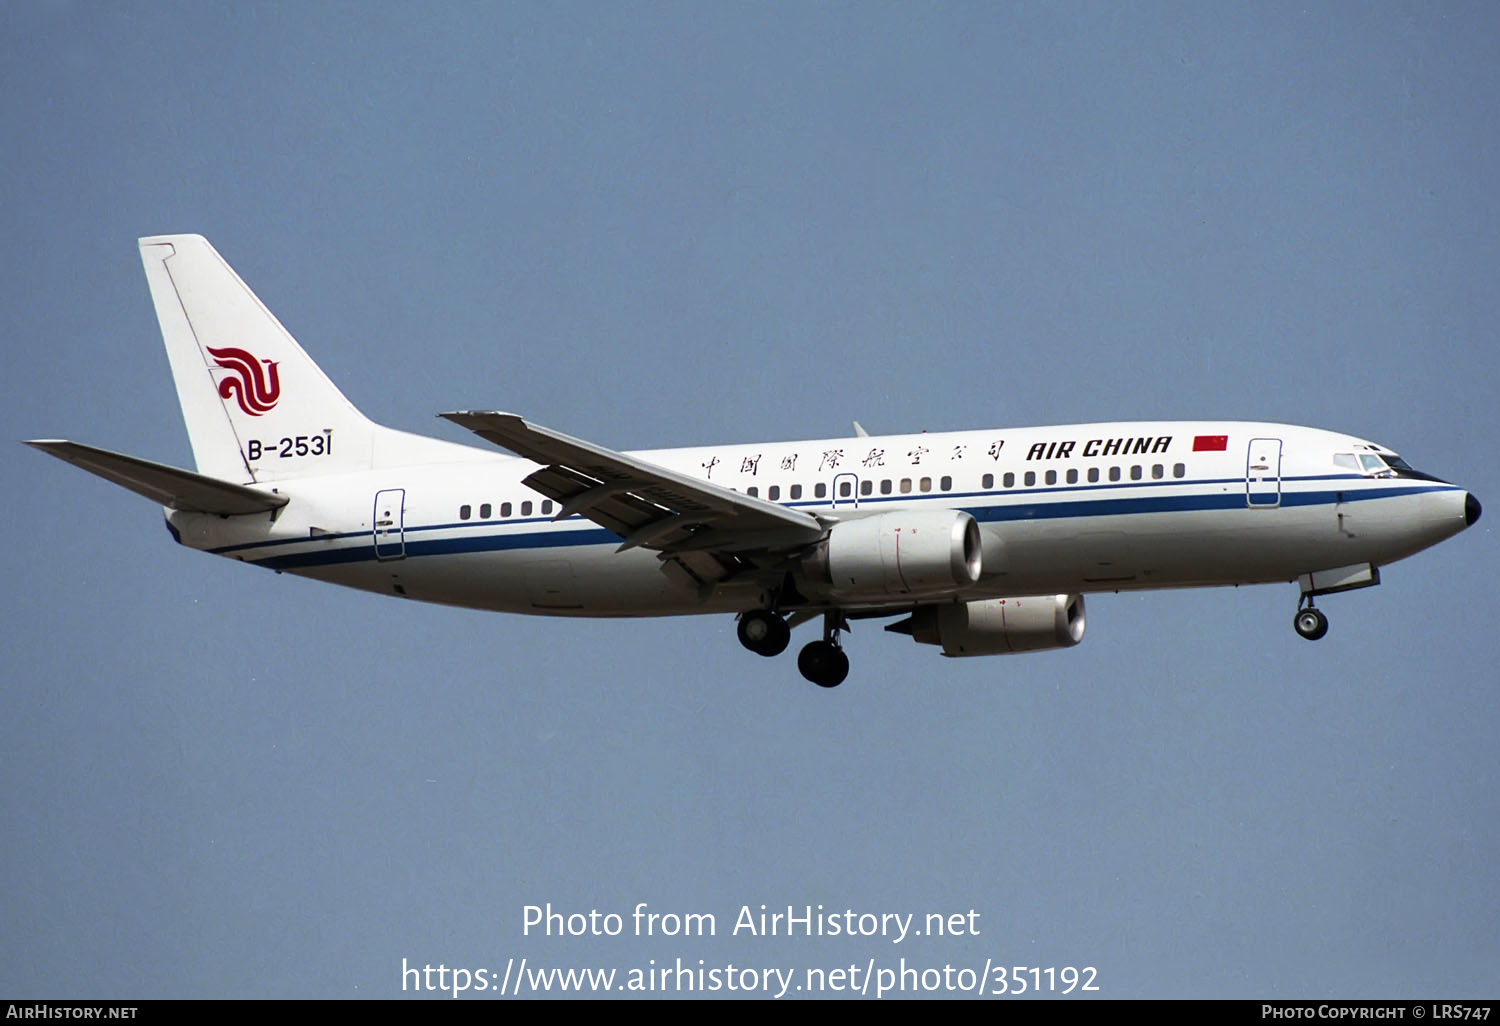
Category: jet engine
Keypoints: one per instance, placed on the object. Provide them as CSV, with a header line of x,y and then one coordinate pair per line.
x,y
998,626
904,553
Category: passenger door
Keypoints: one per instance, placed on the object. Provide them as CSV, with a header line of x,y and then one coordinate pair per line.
x,y
388,524
1263,473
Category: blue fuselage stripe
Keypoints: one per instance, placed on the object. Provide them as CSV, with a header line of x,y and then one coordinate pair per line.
x,y
315,552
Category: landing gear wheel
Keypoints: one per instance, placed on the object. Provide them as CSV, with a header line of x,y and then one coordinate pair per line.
x,y
1310,623
823,663
763,632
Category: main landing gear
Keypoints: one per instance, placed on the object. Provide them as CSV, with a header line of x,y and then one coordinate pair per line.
x,y
1309,622
822,662
764,632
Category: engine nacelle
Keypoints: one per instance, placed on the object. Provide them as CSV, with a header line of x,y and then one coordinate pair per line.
x,y
901,554
998,626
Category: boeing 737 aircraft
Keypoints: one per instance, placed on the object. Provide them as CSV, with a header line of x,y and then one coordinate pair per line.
x,y
983,542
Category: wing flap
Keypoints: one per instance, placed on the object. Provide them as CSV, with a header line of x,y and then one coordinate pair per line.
x,y
168,486
608,505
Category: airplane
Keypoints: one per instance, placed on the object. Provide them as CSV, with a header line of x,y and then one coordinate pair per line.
x,y
982,542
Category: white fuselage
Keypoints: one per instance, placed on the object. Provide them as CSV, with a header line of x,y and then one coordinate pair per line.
x,y
1081,508
982,542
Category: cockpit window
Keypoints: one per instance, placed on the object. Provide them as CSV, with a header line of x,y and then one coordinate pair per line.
x,y
1383,465
1369,464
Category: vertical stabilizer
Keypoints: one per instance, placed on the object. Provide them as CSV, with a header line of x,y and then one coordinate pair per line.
x,y
257,408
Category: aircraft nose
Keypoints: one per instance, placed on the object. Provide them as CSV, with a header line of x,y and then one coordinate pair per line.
x,y
1472,509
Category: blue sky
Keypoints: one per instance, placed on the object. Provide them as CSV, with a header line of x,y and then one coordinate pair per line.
x,y
674,224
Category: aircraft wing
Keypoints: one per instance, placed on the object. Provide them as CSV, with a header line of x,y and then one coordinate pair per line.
x,y
646,504
168,486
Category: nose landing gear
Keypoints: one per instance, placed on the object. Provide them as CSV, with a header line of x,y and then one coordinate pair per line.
x,y
1310,622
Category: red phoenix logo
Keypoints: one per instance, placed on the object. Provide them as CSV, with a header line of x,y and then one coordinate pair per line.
x,y
255,388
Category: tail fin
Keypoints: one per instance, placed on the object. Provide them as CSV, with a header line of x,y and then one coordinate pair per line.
x,y
257,408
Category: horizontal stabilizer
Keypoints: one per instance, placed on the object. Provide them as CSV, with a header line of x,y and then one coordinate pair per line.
x,y
179,489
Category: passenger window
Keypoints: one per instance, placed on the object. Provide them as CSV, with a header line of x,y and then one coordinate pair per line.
x,y
1052,477
1178,470
845,488
946,484
752,491
1157,471
1114,473
820,490
547,507
773,493
885,487
484,511
464,511
926,484
1010,480
988,481
1030,478
1072,477
1093,474
796,491
526,508
505,509
906,486
1135,472
867,486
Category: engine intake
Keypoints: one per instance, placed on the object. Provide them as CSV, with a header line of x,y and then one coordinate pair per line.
x,y
998,626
